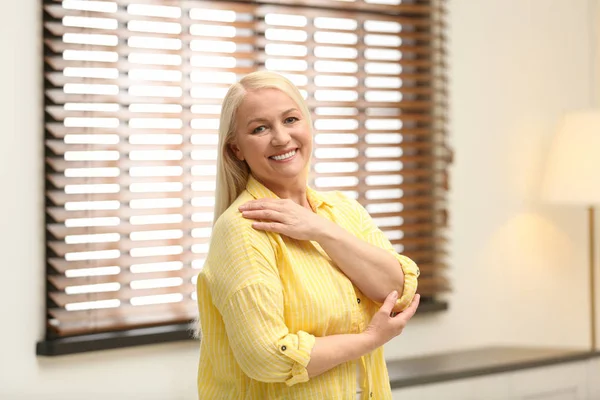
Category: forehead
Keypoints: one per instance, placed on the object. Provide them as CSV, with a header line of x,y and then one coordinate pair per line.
x,y
265,102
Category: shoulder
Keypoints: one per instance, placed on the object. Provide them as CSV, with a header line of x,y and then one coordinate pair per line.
x,y
231,221
238,254
233,233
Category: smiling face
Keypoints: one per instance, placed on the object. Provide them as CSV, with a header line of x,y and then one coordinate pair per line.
x,y
274,139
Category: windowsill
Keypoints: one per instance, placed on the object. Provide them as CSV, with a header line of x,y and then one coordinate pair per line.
x,y
477,362
144,336
114,340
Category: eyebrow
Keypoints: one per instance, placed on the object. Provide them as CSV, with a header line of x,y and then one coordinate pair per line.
x,y
262,119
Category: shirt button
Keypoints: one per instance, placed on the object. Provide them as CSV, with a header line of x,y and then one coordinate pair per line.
x,y
371,394
283,348
358,301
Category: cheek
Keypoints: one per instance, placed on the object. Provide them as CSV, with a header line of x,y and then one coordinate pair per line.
x,y
255,147
307,137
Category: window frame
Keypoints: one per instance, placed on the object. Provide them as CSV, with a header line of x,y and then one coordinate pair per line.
x,y
53,345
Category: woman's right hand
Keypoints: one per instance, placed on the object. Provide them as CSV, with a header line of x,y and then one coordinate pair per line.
x,y
383,326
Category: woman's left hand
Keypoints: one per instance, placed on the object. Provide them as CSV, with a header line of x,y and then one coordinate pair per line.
x,y
285,217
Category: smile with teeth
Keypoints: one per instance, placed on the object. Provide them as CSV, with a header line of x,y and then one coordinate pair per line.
x,y
285,156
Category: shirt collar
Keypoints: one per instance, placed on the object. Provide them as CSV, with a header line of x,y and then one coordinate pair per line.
x,y
315,198
259,191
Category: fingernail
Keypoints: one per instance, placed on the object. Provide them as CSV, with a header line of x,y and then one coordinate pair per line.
x,y
394,294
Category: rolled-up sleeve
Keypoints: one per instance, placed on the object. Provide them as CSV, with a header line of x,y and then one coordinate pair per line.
x,y
373,235
411,275
262,345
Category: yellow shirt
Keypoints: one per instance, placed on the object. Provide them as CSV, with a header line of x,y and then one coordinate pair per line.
x,y
264,297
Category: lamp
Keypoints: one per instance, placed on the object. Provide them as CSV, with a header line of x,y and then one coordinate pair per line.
x,y
572,176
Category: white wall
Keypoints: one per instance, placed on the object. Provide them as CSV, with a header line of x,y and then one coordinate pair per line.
x,y
518,266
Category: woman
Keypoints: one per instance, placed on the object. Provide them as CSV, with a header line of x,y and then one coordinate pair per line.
x,y
290,297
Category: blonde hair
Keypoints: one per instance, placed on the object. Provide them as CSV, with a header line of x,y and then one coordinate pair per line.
x,y
232,173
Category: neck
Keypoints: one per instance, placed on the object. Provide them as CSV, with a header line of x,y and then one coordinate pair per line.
x,y
294,190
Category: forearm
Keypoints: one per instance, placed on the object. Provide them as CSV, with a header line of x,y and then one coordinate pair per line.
x,y
331,351
375,271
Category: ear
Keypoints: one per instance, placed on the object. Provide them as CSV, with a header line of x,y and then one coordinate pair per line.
x,y
236,150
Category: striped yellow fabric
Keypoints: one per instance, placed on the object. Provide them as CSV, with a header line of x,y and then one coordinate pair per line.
x,y
263,298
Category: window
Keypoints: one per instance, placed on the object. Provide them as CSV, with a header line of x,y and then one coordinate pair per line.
x,y
132,100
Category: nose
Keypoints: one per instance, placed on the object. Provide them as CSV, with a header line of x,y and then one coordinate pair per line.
x,y
280,136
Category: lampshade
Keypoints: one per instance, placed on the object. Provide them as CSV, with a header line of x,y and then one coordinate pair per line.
x,y
572,173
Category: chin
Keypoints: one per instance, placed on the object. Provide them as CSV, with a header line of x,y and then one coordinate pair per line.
x,y
284,177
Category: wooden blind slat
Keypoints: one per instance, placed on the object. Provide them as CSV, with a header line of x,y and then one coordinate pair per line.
x,y
60,148
263,6
60,231
60,181
62,165
124,244
61,265
60,198
124,195
58,29
61,215
62,282
393,9
426,78
60,97
418,242
123,294
60,131
77,322
58,63
400,108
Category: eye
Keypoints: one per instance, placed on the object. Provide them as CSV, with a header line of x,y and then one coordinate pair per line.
x,y
291,120
259,129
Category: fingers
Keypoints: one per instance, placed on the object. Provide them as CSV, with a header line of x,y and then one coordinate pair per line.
x,y
265,215
269,226
408,313
261,204
389,303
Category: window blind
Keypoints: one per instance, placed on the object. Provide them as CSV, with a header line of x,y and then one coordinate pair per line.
x,y
132,100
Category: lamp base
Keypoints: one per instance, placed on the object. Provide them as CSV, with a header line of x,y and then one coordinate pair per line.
x,y
592,278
